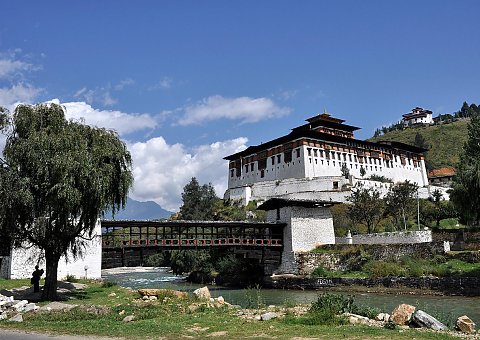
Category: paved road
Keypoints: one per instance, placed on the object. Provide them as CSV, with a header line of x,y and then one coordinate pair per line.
x,y
21,335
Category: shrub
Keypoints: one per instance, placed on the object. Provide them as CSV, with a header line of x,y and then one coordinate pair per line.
x,y
322,272
384,269
108,284
335,303
71,278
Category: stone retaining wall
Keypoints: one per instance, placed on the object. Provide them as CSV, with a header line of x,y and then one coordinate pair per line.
x,y
336,256
468,286
421,236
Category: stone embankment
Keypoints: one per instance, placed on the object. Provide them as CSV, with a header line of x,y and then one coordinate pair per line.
x,y
465,286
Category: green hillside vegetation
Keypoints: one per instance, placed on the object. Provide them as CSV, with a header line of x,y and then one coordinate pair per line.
x,y
445,141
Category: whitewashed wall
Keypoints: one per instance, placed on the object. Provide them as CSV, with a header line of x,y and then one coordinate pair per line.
x,y
306,228
22,261
321,188
421,236
312,163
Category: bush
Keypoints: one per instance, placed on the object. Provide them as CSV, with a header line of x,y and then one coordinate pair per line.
x,y
335,303
384,269
322,272
108,284
72,278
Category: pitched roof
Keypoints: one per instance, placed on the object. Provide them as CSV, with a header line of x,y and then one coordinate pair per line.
x,y
442,172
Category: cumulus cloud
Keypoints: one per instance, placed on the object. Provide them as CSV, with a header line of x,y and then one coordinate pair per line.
x,y
19,93
162,170
15,87
123,123
245,109
10,67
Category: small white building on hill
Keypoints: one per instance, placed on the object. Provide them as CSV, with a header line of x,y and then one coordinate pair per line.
x,y
417,116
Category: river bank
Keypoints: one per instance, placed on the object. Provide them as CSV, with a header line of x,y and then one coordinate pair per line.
x,y
384,298
454,286
104,310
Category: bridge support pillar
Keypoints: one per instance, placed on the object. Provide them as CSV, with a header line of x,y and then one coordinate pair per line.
x,y
308,224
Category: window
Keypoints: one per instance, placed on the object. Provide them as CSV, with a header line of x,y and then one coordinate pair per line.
x,y
262,173
273,160
298,153
287,155
251,166
309,151
335,185
279,158
232,172
315,153
350,158
246,168
345,157
262,164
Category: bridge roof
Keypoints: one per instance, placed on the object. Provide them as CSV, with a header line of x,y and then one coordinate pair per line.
x,y
275,203
166,223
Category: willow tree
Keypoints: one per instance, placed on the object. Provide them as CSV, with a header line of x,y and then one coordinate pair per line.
x,y
56,179
465,193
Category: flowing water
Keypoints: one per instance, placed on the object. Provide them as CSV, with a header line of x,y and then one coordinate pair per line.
x,y
449,307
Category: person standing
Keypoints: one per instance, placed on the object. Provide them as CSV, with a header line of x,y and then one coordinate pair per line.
x,y
35,280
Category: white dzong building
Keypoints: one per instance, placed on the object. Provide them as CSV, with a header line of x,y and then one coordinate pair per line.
x,y
311,162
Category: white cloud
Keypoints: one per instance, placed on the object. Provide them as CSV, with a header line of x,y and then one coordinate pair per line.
x,y
19,93
123,83
162,170
164,84
98,95
123,123
10,67
245,109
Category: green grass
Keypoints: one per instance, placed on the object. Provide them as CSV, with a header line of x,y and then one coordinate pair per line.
x,y
446,141
172,320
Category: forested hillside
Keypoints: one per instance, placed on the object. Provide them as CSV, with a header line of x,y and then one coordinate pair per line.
x,y
445,141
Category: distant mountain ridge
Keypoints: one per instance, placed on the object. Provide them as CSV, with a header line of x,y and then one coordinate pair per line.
x,y
445,141
136,210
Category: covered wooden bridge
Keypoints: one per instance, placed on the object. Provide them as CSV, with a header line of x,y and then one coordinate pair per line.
x,y
127,243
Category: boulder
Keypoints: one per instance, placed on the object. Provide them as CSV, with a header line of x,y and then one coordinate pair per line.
x,y
268,316
465,324
202,293
30,307
166,292
16,318
129,318
425,320
402,314
221,300
20,306
383,317
357,319
57,306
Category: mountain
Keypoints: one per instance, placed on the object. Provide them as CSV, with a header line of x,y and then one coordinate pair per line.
x,y
445,141
135,210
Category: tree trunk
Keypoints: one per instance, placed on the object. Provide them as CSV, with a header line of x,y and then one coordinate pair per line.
x,y
50,288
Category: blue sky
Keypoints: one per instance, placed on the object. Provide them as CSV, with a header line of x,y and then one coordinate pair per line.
x,y
186,83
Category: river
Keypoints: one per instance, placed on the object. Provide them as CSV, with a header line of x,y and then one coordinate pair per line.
x,y
147,277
